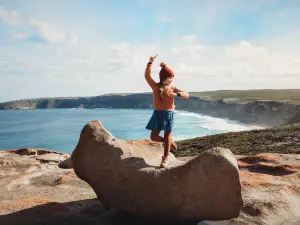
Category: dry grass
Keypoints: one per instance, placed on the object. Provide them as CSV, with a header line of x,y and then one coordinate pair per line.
x,y
284,139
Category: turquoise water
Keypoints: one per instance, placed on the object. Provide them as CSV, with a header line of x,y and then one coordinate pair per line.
x,y
59,129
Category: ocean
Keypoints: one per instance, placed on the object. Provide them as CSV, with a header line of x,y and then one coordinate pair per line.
x,y
59,129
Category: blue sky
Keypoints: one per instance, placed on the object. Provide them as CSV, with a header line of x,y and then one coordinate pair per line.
x,y
83,48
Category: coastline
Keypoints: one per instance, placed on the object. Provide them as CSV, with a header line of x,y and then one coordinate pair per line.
x,y
255,111
192,125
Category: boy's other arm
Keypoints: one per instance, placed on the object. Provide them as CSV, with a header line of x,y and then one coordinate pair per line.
x,y
181,93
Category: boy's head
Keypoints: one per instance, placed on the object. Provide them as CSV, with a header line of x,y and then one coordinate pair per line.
x,y
166,75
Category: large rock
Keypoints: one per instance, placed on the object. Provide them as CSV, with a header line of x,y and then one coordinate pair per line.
x,y
126,176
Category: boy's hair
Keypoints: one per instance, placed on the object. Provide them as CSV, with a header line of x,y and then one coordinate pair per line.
x,y
164,73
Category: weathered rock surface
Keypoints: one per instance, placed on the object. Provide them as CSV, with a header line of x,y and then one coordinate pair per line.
x,y
127,177
35,192
270,189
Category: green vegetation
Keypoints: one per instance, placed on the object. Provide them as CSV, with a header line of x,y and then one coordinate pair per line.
x,y
241,96
285,139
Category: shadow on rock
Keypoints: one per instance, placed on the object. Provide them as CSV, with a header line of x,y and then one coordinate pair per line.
x,y
275,170
137,163
78,212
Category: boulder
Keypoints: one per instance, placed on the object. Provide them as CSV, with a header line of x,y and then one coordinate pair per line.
x,y
125,175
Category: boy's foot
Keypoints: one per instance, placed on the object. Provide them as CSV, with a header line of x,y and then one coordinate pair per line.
x,y
164,162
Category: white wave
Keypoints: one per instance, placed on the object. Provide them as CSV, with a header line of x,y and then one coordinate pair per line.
x,y
225,125
183,113
212,123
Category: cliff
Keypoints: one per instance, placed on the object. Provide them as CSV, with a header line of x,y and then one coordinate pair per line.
x,y
252,110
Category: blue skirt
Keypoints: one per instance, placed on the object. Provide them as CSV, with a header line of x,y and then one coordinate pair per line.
x,y
161,120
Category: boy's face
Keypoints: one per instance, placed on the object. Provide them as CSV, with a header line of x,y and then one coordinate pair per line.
x,y
169,80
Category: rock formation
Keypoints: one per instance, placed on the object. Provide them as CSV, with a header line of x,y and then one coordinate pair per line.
x,y
126,176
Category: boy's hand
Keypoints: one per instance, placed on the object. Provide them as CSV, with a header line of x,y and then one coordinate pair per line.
x,y
177,94
152,58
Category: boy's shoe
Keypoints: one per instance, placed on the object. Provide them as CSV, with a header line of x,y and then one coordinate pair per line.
x,y
164,162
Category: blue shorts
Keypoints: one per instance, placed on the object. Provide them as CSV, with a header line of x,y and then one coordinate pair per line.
x,y
161,120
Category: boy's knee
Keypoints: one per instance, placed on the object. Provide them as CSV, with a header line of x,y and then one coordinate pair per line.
x,y
152,137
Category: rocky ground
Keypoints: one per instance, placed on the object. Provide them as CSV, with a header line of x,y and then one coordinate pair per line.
x,y
33,190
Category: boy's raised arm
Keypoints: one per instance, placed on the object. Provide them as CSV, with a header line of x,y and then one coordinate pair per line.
x,y
148,77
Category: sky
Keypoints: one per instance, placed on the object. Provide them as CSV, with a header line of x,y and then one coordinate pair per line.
x,y
64,48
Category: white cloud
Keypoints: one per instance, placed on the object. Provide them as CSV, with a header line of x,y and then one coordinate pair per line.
x,y
71,67
120,67
10,17
163,18
46,30
130,57
189,39
52,34
49,32
242,65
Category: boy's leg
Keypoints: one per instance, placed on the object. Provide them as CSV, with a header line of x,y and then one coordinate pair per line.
x,y
173,145
167,143
155,136
167,147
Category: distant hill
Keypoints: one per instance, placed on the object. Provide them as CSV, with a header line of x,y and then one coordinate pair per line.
x,y
291,96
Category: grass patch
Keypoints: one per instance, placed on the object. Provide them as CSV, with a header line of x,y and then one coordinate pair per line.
x,y
285,139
